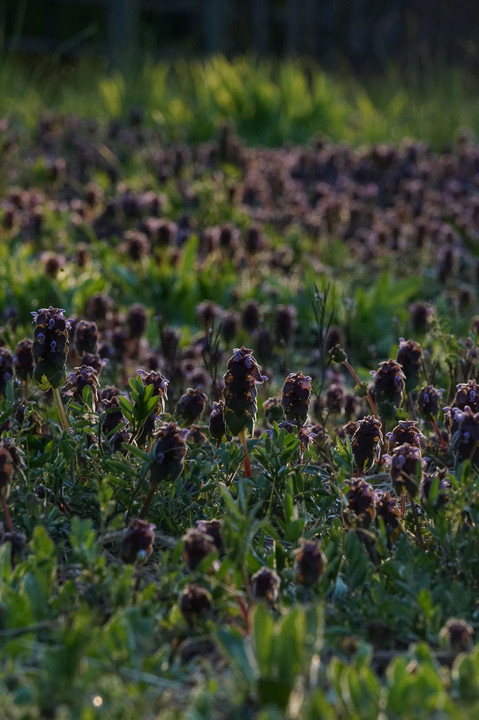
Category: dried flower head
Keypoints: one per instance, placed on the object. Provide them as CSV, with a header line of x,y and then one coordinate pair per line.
x,y
212,528
296,397
50,347
136,320
138,541
387,508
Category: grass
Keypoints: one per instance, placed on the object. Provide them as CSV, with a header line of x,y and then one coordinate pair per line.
x,y
268,102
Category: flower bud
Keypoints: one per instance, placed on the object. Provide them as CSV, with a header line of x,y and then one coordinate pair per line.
x,y
429,402
80,378
160,386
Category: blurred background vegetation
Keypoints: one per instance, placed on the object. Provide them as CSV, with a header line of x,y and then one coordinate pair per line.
x,y
356,71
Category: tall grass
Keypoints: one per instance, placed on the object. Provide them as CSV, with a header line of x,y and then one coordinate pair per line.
x,y
268,102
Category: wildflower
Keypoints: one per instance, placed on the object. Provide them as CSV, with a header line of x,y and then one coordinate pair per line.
x,y
195,602
409,356
464,428
265,585
6,369
160,386
111,415
438,478
168,454
138,541
79,379
407,431
273,410
296,397
190,406
50,347
213,529
310,562
389,383
23,360
241,378
136,320
286,323
196,546
457,635
217,425
86,337
387,508
428,402
360,510
406,468
366,442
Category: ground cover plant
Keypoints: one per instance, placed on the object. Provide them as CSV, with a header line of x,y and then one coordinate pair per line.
x,y
239,418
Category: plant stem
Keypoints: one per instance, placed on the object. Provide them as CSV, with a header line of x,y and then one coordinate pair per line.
x,y
438,435
369,398
416,523
246,463
147,502
61,409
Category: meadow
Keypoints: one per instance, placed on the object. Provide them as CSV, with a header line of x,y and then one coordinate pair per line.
x,y
239,408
